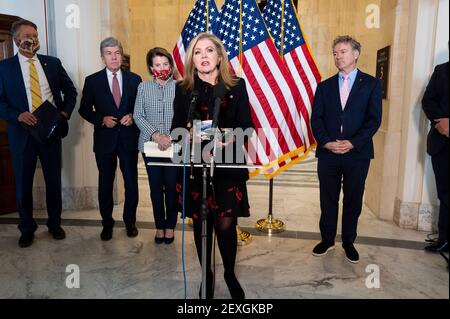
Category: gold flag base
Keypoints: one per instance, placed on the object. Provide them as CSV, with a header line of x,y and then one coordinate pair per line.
x,y
243,237
270,225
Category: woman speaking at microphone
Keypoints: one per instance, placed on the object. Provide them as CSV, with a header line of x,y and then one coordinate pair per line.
x,y
207,71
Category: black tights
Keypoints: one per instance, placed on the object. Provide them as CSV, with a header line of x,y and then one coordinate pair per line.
x,y
225,228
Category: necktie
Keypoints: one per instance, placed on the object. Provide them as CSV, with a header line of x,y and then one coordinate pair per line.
x,y
116,90
345,91
36,97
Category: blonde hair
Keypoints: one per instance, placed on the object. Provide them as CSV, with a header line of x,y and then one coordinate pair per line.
x,y
225,73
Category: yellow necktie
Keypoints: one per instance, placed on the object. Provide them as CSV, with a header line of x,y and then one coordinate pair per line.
x,y
36,97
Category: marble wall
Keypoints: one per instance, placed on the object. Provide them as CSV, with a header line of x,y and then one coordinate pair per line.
x,y
155,23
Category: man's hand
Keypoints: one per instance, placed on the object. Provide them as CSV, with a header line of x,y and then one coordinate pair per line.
x,y
339,147
442,126
109,121
127,120
27,118
65,114
344,146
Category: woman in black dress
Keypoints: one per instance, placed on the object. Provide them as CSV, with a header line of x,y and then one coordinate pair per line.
x,y
207,65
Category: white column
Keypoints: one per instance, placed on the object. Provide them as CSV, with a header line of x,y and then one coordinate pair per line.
x,y
429,208
420,48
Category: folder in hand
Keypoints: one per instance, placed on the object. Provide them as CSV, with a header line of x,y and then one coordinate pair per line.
x,y
48,120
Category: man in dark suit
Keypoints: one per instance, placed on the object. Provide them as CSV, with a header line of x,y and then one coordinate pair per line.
x,y
345,116
26,81
435,104
108,103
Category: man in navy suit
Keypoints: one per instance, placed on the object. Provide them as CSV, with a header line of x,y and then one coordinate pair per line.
x,y
345,116
108,103
27,80
436,107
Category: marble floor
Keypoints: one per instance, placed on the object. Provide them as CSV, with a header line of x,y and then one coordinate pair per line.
x,y
279,266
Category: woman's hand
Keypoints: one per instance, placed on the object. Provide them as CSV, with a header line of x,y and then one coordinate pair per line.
x,y
163,141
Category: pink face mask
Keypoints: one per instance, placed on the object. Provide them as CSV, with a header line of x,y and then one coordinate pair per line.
x,y
161,75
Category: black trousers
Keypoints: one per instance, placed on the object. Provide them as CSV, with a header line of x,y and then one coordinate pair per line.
x,y
351,174
163,192
24,168
440,167
107,164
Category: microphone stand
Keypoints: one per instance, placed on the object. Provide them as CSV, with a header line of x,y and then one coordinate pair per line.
x,y
204,206
204,216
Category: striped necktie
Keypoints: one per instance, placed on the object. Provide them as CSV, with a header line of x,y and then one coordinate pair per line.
x,y
36,97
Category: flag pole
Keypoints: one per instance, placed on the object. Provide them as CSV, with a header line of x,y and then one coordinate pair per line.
x,y
270,224
243,237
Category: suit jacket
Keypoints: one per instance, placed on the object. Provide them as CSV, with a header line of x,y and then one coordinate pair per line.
x,y
13,97
234,113
360,119
98,102
435,104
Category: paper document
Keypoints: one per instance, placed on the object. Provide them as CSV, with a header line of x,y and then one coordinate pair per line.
x,y
151,150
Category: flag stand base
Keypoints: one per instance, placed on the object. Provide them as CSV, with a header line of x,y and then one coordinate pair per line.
x,y
270,225
243,237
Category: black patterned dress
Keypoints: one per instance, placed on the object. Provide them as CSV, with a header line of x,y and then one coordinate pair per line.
x,y
229,197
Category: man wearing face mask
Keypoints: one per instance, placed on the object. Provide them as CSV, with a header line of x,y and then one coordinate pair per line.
x,y
108,103
153,115
26,81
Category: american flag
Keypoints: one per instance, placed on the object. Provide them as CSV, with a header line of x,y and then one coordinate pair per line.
x,y
204,12
283,24
271,88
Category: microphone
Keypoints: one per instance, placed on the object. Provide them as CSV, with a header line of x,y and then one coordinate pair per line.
x,y
193,105
219,92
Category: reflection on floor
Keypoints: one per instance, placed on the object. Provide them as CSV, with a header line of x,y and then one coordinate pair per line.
x,y
280,266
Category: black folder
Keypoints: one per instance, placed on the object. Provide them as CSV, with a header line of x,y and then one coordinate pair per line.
x,y
48,120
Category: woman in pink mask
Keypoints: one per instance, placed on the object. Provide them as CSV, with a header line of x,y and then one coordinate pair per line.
x,y
153,114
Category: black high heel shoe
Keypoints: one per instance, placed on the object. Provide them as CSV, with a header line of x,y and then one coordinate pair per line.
x,y
234,287
159,240
169,240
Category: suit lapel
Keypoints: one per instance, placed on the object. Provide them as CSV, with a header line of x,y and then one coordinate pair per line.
x,y
334,92
359,81
48,74
106,88
125,83
17,77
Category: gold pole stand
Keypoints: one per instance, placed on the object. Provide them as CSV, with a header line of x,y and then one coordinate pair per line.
x,y
243,237
270,224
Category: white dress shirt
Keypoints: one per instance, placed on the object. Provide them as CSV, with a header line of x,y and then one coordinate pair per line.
x,y
110,79
46,92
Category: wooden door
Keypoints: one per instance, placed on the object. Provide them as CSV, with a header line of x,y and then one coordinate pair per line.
x,y
7,184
